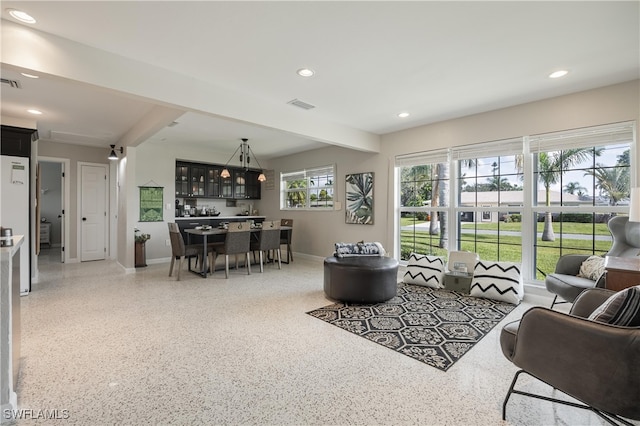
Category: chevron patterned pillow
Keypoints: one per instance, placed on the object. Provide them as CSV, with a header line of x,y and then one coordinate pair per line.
x,y
424,270
497,281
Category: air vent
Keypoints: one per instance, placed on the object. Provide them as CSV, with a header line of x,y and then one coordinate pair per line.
x,y
13,83
300,104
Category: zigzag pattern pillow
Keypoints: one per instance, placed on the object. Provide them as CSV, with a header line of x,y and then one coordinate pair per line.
x,y
498,281
424,270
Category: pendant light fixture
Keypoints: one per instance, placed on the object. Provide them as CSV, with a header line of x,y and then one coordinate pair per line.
x,y
245,159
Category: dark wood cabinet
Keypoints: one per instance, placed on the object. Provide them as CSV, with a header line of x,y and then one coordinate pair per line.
x,y
206,181
190,179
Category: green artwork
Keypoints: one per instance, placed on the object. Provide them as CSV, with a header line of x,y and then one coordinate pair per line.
x,y
151,203
359,195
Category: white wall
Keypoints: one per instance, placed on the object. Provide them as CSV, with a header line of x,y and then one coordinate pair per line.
x,y
316,232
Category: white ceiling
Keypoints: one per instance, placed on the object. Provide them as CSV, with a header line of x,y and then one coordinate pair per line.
x,y
436,60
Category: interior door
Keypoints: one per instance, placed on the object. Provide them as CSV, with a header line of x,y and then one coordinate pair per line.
x,y
93,212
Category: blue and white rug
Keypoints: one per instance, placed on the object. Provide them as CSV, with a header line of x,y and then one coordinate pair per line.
x,y
433,326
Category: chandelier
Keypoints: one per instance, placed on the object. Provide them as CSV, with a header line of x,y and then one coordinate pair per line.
x,y
245,159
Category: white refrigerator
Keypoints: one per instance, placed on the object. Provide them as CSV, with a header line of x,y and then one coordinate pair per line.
x,y
14,209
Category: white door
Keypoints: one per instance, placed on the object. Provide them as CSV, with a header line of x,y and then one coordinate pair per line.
x,y
93,211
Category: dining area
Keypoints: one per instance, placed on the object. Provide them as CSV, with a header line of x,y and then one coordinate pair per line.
x,y
247,242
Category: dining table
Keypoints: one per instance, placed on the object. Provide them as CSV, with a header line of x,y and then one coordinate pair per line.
x,y
204,233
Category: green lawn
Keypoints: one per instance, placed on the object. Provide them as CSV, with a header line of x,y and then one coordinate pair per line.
x,y
507,247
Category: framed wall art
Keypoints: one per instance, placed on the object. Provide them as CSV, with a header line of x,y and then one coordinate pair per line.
x,y
359,198
151,203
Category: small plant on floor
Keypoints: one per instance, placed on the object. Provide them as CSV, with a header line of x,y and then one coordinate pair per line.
x,y
140,237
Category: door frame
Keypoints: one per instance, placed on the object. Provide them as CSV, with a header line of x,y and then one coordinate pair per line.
x,y
79,207
66,201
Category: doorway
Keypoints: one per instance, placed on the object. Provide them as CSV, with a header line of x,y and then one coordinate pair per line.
x,y
93,211
53,200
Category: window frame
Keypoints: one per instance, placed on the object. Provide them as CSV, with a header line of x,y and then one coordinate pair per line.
x,y
320,173
527,146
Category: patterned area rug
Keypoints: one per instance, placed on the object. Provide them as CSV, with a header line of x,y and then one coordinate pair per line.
x,y
436,327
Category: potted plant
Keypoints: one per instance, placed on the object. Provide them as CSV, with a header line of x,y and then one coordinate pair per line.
x,y
140,254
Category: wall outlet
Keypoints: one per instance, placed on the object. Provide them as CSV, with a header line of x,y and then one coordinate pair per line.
x,y
167,242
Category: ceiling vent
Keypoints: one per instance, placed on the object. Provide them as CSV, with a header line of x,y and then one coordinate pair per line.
x,y
300,104
13,83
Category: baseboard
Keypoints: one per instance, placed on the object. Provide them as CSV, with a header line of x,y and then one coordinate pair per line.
x,y
304,256
158,260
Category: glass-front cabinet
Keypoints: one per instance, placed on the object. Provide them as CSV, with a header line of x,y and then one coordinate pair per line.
x,y
239,184
213,182
205,180
253,185
182,180
197,180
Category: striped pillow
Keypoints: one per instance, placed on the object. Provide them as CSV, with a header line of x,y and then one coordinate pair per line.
x,y
622,308
497,281
424,270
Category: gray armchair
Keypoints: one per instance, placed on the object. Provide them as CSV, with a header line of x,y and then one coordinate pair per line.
x,y
565,283
595,363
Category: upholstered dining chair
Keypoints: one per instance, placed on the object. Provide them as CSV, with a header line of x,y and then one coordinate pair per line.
x,y
286,236
565,283
180,251
591,361
269,239
237,241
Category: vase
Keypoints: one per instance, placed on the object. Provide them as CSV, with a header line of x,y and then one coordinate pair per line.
x,y
140,255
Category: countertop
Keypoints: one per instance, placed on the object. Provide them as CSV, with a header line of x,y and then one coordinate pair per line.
x,y
7,252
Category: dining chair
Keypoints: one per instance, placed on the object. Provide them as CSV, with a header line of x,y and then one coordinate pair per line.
x,y
285,237
181,251
269,239
237,241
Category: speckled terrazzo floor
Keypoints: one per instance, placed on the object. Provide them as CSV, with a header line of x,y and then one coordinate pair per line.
x,y
141,348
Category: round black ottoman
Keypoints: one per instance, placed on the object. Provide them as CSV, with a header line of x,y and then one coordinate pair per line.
x,y
360,279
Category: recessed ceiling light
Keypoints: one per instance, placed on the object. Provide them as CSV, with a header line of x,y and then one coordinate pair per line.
x,y
30,75
305,72
34,111
403,114
21,16
558,74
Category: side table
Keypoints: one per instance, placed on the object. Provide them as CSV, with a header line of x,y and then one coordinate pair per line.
x,y
458,282
621,272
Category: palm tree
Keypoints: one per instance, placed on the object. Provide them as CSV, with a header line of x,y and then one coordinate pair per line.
x,y
612,180
551,166
573,187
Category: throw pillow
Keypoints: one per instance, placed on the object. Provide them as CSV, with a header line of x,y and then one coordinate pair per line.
x,y
592,268
359,249
424,270
498,281
622,308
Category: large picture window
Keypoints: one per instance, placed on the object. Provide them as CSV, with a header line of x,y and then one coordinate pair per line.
x,y
528,200
309,189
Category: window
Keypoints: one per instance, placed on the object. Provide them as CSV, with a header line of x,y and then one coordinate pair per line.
x,y
310,189
490,199
424,191
527,200
581,179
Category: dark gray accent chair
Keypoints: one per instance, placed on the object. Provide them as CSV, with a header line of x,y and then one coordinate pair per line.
x,y
268,240
593,362
180,251
237,241
565,283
